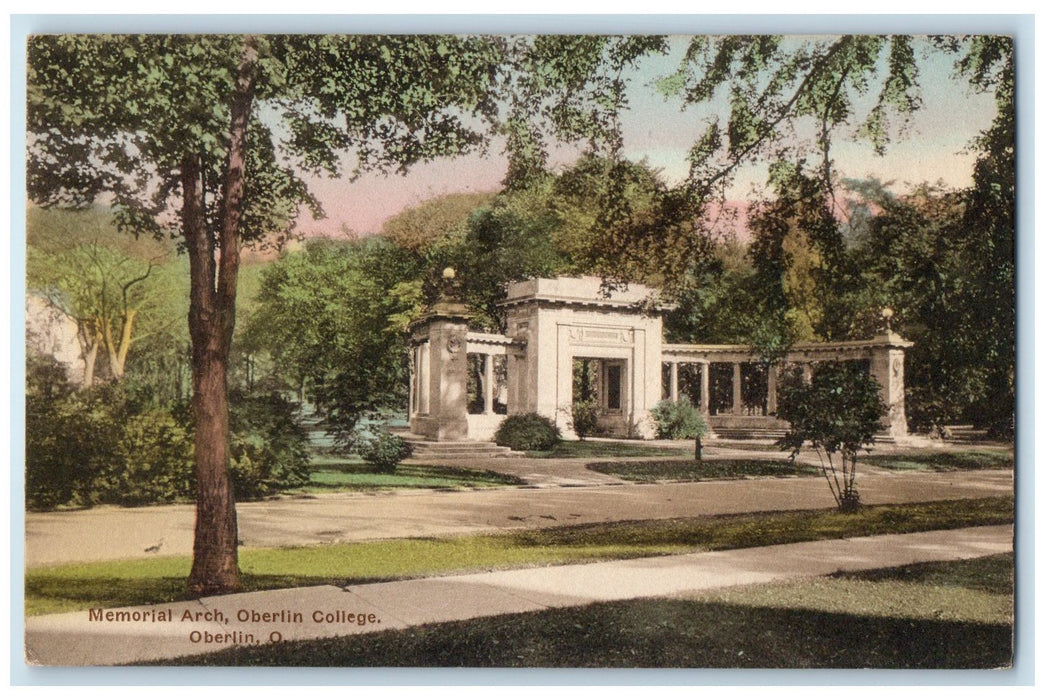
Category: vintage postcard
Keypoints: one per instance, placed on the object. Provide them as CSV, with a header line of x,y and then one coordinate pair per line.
x,y
480,349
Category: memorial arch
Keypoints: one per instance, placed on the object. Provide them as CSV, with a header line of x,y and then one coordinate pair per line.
x,y
567,337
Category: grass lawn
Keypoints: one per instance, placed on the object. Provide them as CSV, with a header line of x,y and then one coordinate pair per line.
x,y
341,474
162,579
689,470
935,615
942,461
598,449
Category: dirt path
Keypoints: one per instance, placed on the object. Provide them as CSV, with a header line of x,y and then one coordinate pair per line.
x,y
118,533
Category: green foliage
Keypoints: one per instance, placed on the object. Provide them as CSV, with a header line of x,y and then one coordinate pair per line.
x,y
584,417
950,284
527,431
118,290
151,461
419,228
838,413
509,241
678,420
58,439
384,451
102,445
799,257
559,224
332,319
777,86
989,329
114,113
268,446
716,300
115,444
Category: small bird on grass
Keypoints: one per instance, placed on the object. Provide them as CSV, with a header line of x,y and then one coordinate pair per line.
x,y
156,547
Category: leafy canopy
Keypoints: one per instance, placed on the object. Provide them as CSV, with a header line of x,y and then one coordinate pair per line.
x,y
114,116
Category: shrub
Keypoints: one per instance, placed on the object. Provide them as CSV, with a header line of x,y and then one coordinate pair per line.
x,y
384,451
527,431
268,446
678,420
584,418
838,414
104,445
150,462
54,450
112,444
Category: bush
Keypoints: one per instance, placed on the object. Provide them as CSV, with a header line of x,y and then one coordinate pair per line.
x,y
385,451
113,444
150,462
584,418
837,414
527,431
268,447
678,420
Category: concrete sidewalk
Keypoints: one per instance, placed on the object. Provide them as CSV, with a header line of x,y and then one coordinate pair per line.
x,y
150,633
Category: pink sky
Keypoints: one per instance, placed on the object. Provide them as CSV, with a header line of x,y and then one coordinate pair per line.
x,y
935,148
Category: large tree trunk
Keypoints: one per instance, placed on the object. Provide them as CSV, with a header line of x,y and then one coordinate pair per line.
x,y
215,566
212,318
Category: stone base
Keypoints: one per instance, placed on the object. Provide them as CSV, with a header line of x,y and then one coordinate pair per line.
x,y
439,428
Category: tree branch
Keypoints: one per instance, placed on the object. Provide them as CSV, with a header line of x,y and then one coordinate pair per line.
x,y
240,105
764,132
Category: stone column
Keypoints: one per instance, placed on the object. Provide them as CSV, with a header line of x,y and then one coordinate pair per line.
x,y
674,392
738,398
705,388
424,375
488,385
887,356
411,402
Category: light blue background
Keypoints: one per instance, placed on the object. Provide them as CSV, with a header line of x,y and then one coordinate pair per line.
x,y
1020,26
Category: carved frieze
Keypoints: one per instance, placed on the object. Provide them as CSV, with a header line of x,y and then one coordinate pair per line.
x,y
580,335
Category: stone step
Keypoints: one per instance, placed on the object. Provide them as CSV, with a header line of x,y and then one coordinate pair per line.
x,y
464,455
452,449
460,449
748,434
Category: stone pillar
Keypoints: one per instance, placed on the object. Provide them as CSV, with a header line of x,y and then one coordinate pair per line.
x,y
424,376
771,380
488,385
411,401
738,398
449,377
705,388
887,355
443,373
674,392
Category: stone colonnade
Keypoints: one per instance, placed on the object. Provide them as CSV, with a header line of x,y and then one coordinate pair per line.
x,y
553,324
883,354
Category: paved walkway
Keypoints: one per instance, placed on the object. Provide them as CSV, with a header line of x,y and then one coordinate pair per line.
x,y
151,633
109,533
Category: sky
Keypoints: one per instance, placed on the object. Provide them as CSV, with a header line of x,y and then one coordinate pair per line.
x,y
657,129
